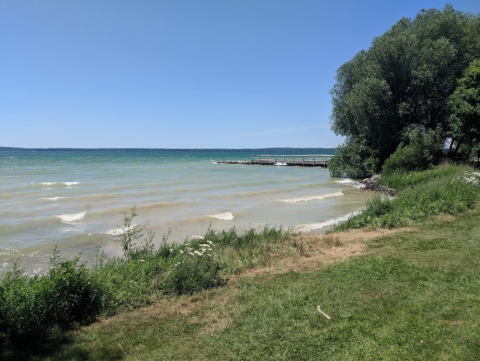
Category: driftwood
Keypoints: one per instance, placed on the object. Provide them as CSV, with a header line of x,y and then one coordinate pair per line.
x,y
323,313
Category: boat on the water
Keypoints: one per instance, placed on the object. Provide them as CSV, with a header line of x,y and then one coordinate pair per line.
x,y
280,163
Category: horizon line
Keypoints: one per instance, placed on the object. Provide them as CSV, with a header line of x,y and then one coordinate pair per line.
x,y
133,148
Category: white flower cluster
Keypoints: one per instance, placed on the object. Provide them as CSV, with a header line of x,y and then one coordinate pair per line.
x,y
204,249
472,178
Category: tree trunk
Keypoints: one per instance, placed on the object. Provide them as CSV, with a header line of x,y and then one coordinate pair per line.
x,y
457,147
451,145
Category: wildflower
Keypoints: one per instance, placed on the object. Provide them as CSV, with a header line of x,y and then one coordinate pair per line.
x,y
199,253
181,251
142,260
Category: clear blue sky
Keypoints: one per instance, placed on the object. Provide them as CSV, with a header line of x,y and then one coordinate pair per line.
x,y
180,73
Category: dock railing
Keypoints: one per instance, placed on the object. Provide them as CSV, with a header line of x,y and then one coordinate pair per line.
x,y
306,160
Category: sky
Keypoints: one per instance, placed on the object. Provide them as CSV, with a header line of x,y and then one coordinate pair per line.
x,y
181,73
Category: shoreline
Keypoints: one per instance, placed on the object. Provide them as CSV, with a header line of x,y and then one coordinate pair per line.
x,y
222,263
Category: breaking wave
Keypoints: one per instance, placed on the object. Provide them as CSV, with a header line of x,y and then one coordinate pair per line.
x,y
331,222
48,184
120,231
345,181
69,218
311,198
227,216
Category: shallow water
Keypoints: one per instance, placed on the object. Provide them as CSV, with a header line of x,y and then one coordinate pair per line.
x,y
74,198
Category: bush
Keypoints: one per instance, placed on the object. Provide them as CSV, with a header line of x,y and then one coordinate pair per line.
x,y
353,159
63,298
193,273
421,152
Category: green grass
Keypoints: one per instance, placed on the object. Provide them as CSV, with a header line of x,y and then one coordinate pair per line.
x,y
400,180
411,296
420,195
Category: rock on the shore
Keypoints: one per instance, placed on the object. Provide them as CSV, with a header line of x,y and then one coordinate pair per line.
x,y
370,185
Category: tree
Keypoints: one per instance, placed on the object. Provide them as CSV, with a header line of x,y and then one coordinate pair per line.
x,y
464,125
404,79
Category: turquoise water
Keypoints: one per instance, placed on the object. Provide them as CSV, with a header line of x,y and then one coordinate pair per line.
x,y
74,198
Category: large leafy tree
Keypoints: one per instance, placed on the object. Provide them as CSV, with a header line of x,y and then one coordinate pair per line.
x,y
403,80
464,126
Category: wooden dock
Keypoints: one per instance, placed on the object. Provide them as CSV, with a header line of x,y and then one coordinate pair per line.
x,y
306,160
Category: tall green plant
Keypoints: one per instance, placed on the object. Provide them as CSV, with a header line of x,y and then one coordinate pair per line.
x,y
130,233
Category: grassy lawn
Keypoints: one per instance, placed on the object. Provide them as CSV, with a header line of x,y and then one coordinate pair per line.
x,y
408,295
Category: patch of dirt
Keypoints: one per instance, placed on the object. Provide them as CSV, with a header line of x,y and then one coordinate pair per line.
x,y
454,323
211,309
317,251
446,217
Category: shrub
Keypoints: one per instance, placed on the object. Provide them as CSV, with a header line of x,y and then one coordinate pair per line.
x,y
193,273
353,159
31,306
420,150
68,294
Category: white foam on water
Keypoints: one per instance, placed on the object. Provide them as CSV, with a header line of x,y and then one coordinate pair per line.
x,y
53,198
68,184
345,181
311,198
120,231
331,222
227,216
69,218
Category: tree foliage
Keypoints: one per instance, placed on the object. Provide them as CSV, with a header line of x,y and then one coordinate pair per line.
x,y
464,125
403,81
418,151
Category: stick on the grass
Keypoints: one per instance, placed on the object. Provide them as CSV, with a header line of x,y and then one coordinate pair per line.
x,y
323,313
